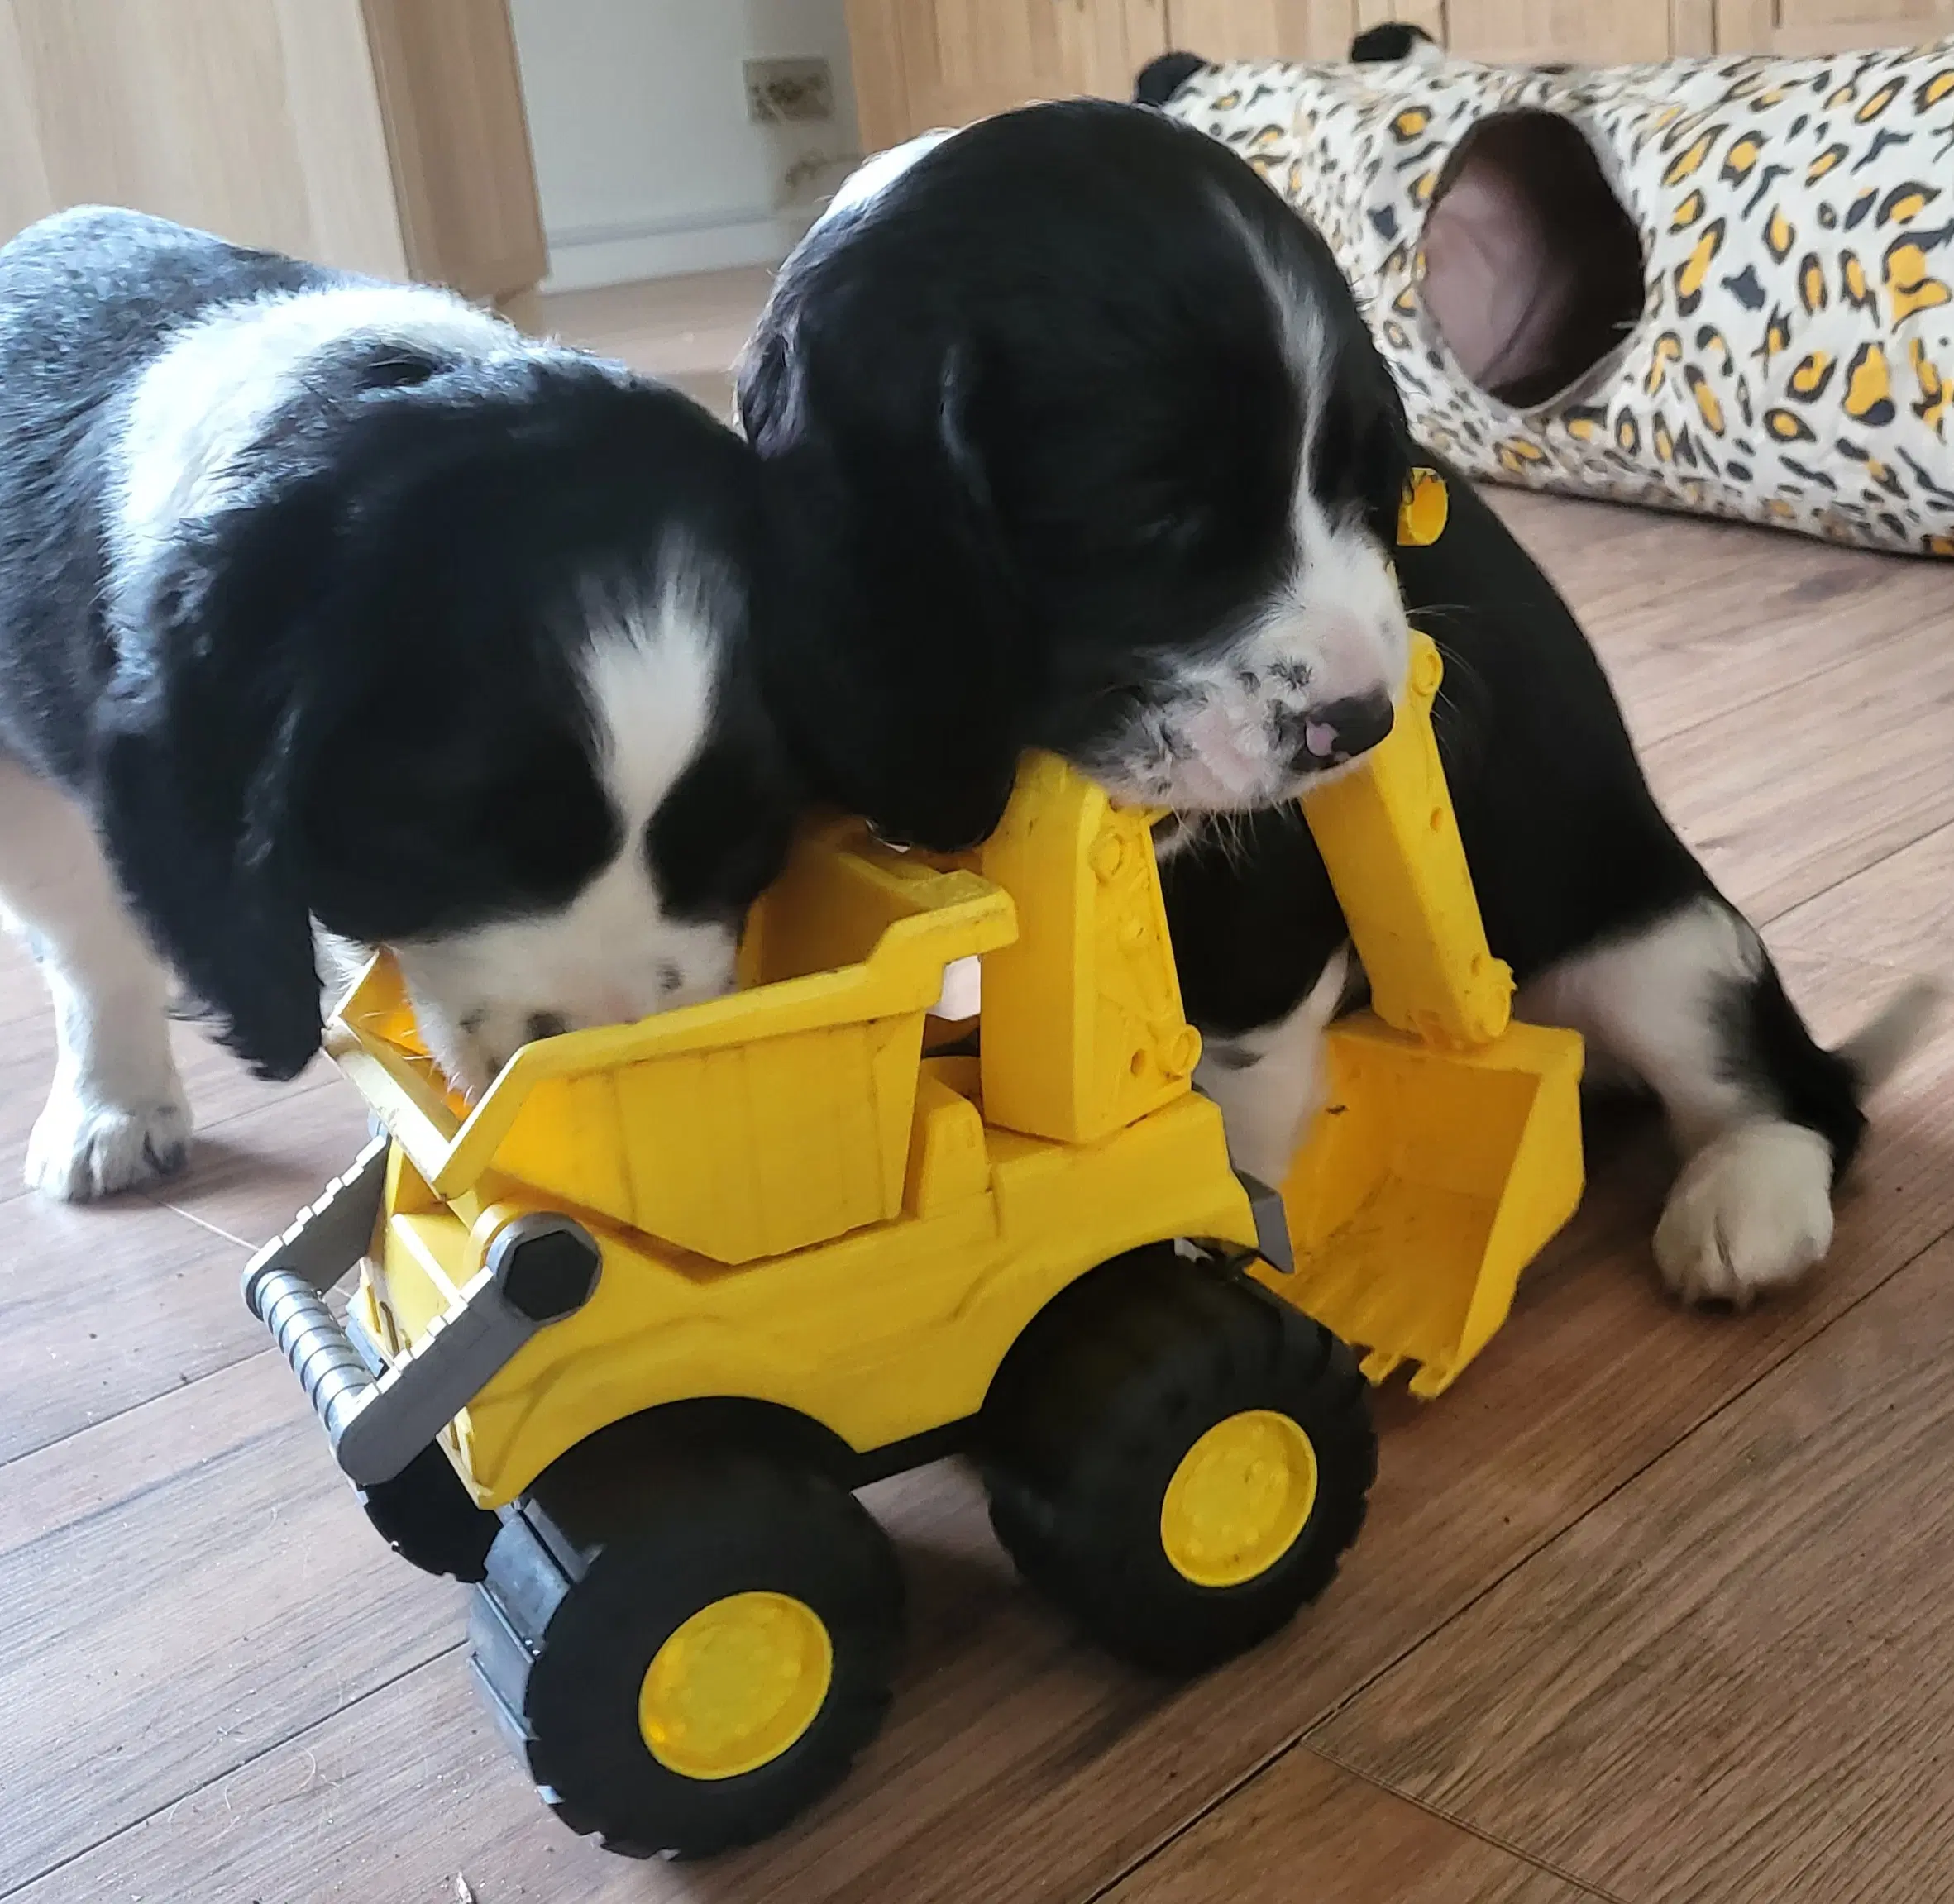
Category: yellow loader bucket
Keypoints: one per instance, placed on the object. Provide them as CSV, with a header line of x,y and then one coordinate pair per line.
x,y
1448,1148
1431,1180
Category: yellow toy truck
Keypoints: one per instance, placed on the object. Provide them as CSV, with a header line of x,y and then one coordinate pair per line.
x,y
632,1328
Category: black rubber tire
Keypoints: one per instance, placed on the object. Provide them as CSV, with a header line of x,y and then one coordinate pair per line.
x,y
584,1588
1094,1409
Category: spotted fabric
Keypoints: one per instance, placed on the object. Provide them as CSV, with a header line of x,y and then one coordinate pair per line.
x,y
1794,358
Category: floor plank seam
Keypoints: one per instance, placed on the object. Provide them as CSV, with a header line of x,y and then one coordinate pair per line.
x,y
1851,661
46,1447
229,1773
1762,921
1548,1541
231,1239
204,1223
264,1436
1301,1744
1649,741
1531,1859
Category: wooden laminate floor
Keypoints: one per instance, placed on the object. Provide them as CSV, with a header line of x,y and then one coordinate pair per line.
x,y
1652,1608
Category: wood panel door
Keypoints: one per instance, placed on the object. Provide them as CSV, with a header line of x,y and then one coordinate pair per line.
x,y
1594,32
256,120
384,135
1267,28
450,98
924,63
1828,25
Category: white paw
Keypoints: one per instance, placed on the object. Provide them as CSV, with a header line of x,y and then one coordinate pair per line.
x,y
81,1150
1751,1211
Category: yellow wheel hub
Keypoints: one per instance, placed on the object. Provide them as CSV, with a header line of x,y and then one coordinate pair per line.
x,y
735,1686
1240,1498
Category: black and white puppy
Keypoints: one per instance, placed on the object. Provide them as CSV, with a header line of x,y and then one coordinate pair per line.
x,y
328,602
1090,450
1079,444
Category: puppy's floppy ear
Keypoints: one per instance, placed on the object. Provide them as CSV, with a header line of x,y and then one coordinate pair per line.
x,y
200,744
968,683
900,673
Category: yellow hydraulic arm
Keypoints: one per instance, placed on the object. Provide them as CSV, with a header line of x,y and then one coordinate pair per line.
x,y
1447,1150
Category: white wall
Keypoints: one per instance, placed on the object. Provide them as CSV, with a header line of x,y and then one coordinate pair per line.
x,y
646,161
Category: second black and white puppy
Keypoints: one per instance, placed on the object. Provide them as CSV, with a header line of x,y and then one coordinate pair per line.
x,y
1090,450
1079,444
327,602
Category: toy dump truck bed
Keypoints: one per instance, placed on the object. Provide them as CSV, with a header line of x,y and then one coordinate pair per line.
x,y
740,1129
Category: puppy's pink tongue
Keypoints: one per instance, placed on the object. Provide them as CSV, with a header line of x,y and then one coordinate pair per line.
x,y
1319,739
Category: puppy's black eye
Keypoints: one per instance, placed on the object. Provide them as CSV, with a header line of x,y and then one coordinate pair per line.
x,y
1184,530
1358,465
396,367
1334,454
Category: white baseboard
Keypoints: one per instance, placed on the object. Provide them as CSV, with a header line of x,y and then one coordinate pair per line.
x,y
585,257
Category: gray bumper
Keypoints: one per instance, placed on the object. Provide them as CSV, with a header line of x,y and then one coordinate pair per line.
x,y
537,1269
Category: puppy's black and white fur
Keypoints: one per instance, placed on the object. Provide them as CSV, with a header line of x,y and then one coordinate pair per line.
x,y
1027,508
338,605
1091,452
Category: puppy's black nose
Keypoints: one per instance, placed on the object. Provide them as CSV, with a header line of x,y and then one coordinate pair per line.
x,y
1344,729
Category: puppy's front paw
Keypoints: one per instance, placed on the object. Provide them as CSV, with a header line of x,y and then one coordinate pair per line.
x,y
1751,1211
82,1149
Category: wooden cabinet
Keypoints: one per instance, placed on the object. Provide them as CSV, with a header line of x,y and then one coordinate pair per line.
x,y
1264,29
1595,32
382,135
1826,25
923,63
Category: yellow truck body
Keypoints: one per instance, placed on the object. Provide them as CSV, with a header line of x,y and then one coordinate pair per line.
x,y
798,1203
